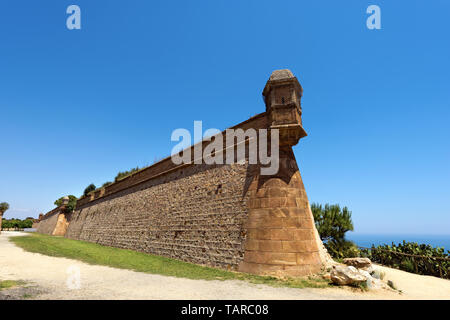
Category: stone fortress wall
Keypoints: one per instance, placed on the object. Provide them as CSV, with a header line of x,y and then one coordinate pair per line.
x,y
228,216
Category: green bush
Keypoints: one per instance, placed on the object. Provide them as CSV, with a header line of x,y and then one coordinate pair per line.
x,y
340,249
121,175
423,262
106,184
27,223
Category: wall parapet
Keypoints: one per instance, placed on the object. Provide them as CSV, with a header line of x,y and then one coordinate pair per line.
x,y
51,212
162,167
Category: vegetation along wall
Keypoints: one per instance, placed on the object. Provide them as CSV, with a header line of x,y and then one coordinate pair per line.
x,y
228,216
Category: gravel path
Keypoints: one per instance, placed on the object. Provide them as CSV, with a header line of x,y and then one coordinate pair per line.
x,y
48,276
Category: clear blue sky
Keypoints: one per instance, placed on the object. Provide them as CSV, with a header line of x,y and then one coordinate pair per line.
x,y
78,106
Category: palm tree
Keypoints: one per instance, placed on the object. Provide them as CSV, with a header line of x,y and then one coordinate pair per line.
x,y
3,207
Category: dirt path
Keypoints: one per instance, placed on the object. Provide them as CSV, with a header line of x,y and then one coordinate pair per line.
x,y
50,275
416,286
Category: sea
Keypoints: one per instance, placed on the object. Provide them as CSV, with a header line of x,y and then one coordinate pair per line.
x,y
366,240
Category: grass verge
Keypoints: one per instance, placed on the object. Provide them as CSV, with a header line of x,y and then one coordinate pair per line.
x,y
6,284
93,253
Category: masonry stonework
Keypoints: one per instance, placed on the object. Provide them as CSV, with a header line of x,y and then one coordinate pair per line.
x,y
280,226
196,215
54,222
228,216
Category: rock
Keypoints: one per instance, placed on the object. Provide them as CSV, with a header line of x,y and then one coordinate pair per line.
x,y
374,284
343,275
360,263
370,269
326,276
365,273
377,274
349,275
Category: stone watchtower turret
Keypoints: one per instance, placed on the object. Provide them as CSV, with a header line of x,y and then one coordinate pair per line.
x,y
281,236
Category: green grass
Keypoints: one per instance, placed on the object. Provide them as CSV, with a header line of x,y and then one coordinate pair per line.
x,y
93,253
6,284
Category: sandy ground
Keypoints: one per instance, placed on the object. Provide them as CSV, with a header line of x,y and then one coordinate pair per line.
x,y
47,278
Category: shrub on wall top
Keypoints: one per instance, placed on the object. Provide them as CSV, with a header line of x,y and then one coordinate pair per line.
x,y
124,174
106,184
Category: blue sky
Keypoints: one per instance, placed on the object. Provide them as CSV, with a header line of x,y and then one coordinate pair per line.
x,y
77,106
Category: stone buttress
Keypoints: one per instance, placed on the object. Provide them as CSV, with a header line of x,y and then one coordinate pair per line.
x,y
281,236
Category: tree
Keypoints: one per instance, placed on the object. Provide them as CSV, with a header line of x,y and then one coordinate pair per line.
x,y
6,224
71,205
3,207
332,223
89,189
26,224
17,224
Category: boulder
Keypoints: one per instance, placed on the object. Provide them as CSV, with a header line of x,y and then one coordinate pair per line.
x,y
373,283
359,263
376,284
347,275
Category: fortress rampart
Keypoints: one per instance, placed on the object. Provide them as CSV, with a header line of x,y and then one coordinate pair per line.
x,y
53,222
224,215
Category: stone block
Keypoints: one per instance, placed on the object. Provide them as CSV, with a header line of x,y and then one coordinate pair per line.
x,y
302,234
308,258
272,258
299,246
